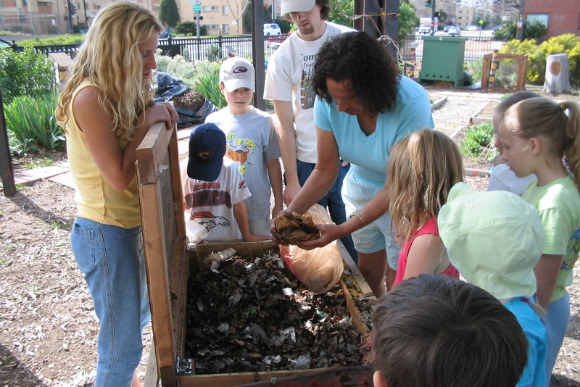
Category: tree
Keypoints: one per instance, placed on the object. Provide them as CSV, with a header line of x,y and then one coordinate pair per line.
x,y
168,13
189,28
532,30
407,19
237,9
342,12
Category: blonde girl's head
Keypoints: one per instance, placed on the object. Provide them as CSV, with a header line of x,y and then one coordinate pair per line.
x,y
422,169
110,59
555,124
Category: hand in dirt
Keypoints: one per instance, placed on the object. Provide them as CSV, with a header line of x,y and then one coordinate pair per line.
x,y
292,228
276,237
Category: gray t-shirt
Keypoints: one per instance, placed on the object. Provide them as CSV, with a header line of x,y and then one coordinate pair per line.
x,y
252,141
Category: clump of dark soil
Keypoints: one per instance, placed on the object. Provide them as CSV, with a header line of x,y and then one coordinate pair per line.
x,y
190,100
252,315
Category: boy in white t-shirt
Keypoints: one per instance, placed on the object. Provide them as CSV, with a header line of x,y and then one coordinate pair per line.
x,y
213,190
252,142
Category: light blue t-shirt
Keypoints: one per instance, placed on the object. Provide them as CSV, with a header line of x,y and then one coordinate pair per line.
x,y
369,155
535,372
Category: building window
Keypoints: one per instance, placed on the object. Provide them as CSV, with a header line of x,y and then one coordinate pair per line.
x,y
206,8
541,17
225,28
225,10
215,8
215,26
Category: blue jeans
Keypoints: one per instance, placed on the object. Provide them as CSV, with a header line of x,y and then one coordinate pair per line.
x,y
556,322
113,263
332,200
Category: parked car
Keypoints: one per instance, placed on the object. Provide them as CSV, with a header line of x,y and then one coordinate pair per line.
x,y
454,31
272,29
424,30
471,28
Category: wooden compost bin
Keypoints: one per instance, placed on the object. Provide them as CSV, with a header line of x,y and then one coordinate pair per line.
x,y
170,263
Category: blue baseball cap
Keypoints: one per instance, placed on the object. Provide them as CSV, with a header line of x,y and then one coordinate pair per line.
x,y
207,147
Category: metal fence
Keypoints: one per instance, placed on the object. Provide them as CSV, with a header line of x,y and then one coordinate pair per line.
x,y
194,49
216,48
475,47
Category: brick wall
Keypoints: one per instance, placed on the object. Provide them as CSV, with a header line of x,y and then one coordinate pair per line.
x,y
564,15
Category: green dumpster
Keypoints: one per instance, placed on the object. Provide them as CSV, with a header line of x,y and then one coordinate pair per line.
x,y
443,59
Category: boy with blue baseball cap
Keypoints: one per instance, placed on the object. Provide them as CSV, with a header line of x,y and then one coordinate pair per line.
x,y
213,190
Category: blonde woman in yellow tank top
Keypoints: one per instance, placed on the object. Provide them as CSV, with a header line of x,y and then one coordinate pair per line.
x,y
106,108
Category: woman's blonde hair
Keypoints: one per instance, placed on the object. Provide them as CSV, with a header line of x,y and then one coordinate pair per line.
x,y
422,169
557,122
110,59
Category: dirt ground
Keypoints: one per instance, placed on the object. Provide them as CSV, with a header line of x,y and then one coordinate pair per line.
x,y
48,329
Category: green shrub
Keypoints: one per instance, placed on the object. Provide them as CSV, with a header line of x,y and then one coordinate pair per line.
x,y
179,67
54,40
25,73
189,28
478,140
537,55
31,124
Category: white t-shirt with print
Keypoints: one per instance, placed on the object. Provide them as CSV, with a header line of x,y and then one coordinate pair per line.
x,y
209,205
289,78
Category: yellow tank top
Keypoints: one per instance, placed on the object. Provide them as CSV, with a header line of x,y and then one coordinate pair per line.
x,y
96,199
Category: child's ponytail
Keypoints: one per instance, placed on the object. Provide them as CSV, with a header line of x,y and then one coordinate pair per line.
x,y
572,134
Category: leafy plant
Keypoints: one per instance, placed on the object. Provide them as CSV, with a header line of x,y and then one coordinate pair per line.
x,y
207,83
180,68
32,124
25,73
478,139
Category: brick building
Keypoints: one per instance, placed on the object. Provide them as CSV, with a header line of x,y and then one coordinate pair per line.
x,y
560,16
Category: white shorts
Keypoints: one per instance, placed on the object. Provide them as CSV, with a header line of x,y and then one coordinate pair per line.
x,y
376,236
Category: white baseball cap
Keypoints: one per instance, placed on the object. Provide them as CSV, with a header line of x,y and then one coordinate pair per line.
x,y
236,73
297,6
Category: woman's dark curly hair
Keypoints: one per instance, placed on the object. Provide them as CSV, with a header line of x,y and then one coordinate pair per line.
x,y
361,60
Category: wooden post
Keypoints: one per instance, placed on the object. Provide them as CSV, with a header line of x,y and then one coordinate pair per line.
x,y
412,69
5,158
494,63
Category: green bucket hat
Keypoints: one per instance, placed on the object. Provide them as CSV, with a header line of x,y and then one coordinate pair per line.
x,y
493,238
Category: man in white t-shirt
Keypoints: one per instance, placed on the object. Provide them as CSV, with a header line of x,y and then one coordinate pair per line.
x,y
289,86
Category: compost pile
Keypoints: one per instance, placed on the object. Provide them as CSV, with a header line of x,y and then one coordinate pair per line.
x,y
252,315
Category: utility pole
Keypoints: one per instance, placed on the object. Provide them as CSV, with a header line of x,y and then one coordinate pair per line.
x,y
70,10
86,21
433,7
197,11
520,26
